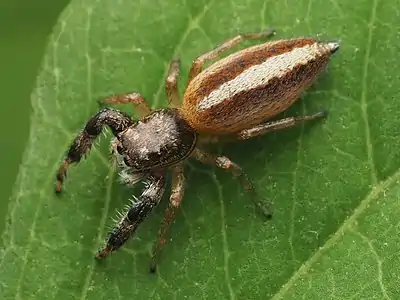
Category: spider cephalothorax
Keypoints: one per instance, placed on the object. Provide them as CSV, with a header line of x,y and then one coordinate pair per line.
x,y
232,97
159,140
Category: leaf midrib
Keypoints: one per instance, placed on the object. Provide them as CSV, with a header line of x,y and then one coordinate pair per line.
x,y
306,266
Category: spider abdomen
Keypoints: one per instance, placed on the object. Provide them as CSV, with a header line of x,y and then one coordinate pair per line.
x,y
254,84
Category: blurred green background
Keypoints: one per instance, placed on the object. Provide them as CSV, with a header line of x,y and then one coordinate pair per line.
x,y
24,28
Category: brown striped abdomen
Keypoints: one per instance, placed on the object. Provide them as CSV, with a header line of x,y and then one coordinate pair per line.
x,y
252,85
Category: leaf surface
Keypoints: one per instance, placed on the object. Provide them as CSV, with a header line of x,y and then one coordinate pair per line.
x,y
334,184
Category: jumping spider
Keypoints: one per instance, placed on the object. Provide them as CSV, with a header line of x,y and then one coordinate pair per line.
x,y
231,98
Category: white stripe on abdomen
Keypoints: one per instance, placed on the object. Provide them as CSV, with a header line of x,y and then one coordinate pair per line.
x,y
260,75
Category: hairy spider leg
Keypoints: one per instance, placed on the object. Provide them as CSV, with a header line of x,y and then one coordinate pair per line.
x,y
117,120
137,212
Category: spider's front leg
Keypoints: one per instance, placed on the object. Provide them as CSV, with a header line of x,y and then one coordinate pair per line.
x,y
142,107
137,212
117,120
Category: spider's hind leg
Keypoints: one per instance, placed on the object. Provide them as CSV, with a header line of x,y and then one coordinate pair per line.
x,y
224,162
277,125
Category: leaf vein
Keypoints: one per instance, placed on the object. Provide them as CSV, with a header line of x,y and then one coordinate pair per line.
x,y
177,49
308,15
31,239
226,252
364,108
332,241
263,10
294,192
102,226
88,59
378,260
56,70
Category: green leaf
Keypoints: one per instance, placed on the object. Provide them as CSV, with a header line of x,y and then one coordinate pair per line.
x,y
334,184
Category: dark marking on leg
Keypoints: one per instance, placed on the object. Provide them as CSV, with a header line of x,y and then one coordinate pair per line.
x,y
115,119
